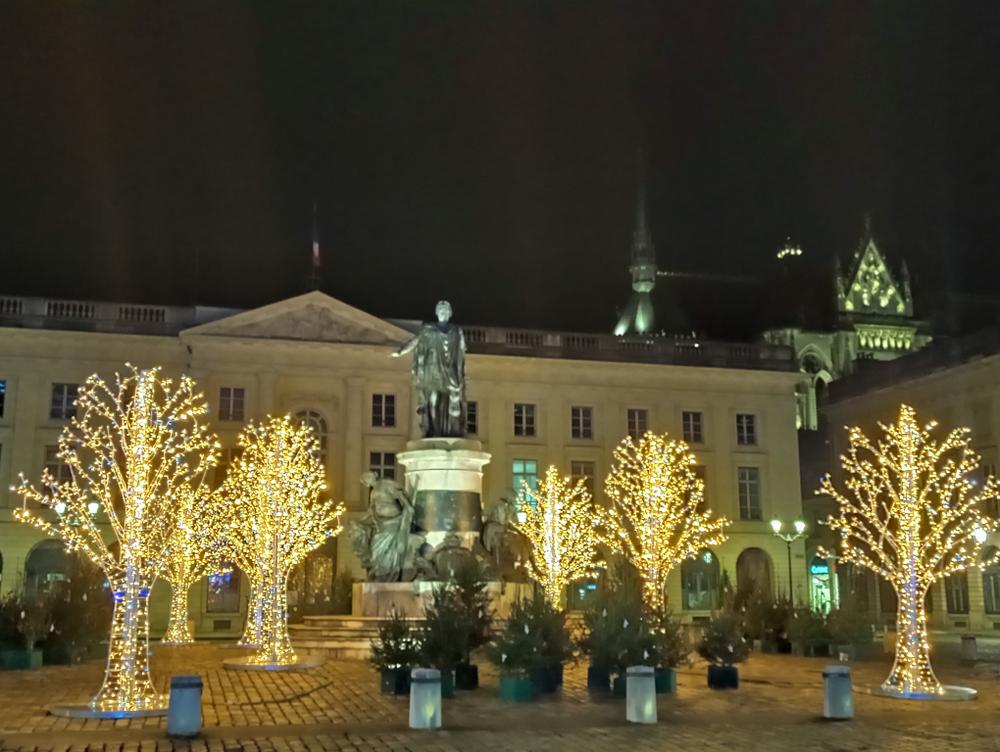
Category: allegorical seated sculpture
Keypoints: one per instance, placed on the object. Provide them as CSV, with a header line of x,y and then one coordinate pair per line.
x,y
439,375
383,539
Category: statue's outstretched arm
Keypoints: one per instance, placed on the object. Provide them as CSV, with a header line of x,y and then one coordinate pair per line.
x,y
408,347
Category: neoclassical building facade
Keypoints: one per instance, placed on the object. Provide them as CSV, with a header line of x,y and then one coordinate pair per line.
x,y
535,398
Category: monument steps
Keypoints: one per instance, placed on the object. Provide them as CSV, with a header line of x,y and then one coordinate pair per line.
x,y
337,636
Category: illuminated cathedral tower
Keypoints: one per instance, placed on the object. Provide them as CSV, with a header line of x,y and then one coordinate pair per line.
x,y
638,317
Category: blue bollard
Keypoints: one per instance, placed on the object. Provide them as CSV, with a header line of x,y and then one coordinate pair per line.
x,y
838,704
184,709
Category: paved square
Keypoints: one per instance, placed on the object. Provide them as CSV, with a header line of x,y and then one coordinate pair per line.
x,y
338,707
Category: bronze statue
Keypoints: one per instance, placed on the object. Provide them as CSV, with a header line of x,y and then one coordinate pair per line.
x,y
384,540
439,375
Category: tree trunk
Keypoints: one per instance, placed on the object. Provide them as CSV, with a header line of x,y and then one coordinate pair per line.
x,y
275,646
255,619
911,671
178,630
652,593
127,686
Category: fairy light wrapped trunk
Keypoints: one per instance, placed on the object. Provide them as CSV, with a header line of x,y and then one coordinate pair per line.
x,y
912,512
133,448
657,516
558,521
272,492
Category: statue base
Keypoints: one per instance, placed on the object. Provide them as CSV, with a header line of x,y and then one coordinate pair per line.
x,y
409,598
445,479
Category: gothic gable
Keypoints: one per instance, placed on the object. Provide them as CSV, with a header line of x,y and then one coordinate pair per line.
x,y
872,288
313,317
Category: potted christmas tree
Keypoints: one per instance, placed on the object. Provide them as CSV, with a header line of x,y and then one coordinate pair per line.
x,y
809,632
445,636
599,641
515,652
395,652
469,583
851,630
25,621
723,646
549,626
636,645
671,649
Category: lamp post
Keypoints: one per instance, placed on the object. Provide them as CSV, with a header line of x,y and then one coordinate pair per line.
x,y
789,538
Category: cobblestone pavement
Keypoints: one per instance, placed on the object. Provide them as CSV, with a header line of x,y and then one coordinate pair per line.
x,y
338,707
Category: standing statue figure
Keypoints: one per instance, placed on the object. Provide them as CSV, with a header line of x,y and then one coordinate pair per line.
x,y
383,540
439,375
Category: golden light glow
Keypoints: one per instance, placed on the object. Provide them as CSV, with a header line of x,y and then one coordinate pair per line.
x,y
911,512
194,550
656,516
134,443
276,519
558,522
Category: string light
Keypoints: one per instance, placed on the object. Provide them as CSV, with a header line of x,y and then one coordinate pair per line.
x,y
133,444
194,550
275,517
656,516
911,513
558,523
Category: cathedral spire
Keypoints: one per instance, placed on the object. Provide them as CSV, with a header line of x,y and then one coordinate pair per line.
x,y
315,265
643,251
638,317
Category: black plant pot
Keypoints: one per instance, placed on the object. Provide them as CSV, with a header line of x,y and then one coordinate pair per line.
x,y
620,686
723,677
547,679
466,676
557,672
395,681
598,679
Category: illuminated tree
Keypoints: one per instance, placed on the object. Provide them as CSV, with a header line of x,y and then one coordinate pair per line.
x,y
910,512
656,517
275,515
194,550
133,443
558,521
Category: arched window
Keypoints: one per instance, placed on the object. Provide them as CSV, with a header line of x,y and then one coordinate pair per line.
x,y
991,580
700,582
318,424
46,566
753,572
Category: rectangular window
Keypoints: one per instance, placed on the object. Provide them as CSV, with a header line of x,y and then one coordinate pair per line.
x,y
227,457
58,469
691,425
63,401
3,396
991,590
637,422
224,592
956,590
748,480
699,470
583,470
471,418
383,410
524,473
383,464
992,505
746,429
581,422
524,419
231,399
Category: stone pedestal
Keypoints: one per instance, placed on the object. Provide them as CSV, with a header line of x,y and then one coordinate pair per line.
x,y
409,598
445,479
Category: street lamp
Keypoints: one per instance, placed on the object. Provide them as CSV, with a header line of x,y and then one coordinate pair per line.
x,y
789,538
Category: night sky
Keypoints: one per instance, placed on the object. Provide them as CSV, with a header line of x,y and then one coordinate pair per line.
x,y
486,152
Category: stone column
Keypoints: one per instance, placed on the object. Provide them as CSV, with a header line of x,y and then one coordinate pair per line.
x,y
354,434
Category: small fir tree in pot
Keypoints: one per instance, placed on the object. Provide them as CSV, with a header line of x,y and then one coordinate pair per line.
x,y
395,652
671,649
469,583
445,636
515,652
723,646
26,621
548,623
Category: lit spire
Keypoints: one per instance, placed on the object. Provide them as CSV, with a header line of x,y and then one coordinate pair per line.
x,y
315,260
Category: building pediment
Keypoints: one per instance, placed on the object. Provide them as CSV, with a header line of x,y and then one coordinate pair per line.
x,y
872,288
312,317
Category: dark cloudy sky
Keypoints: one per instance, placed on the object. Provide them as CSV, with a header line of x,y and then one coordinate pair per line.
x,y
484,151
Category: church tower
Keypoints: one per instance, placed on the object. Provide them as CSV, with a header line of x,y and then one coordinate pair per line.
x,y
638,317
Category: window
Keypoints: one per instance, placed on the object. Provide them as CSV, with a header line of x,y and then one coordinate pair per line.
x,y
383,410
471,418
581,422
226,458
57,468
748,482
637,422
231,400
583,470
524,419
63,401
992,506
956,591
3,396
691,425
991,580
746,429
699,471
317,423
700,582
383,464
524,473
224,592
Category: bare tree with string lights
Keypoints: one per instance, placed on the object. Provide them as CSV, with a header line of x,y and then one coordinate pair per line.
x,y
911,511
134,443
